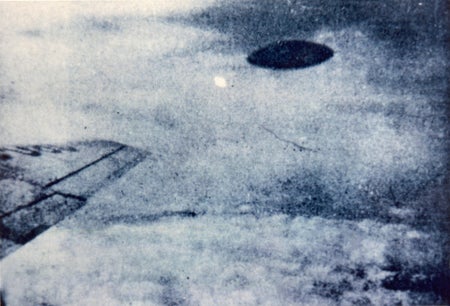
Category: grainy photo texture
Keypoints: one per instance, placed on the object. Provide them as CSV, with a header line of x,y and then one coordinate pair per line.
x,y
224,152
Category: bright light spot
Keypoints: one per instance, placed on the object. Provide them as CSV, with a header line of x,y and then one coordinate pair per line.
x,y
420,3
413,234
220,82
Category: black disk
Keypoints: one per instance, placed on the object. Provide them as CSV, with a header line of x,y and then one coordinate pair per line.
x,y
290,54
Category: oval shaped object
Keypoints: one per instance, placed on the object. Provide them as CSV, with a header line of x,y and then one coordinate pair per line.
x,y
290,54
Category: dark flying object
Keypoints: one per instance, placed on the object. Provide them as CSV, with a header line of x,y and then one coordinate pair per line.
x,y
290,54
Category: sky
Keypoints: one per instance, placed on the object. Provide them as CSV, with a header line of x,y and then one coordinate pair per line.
x,y
344,222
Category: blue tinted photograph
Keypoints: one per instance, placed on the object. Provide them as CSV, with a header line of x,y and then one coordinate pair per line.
x,y
224,152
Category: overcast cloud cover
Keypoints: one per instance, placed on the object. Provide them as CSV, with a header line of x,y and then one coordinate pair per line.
x,y
227,210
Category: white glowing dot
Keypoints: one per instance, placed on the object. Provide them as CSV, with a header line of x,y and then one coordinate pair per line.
x,y
420,3
220,82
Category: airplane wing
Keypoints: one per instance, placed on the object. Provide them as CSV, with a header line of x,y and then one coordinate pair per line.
x,y
42,184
